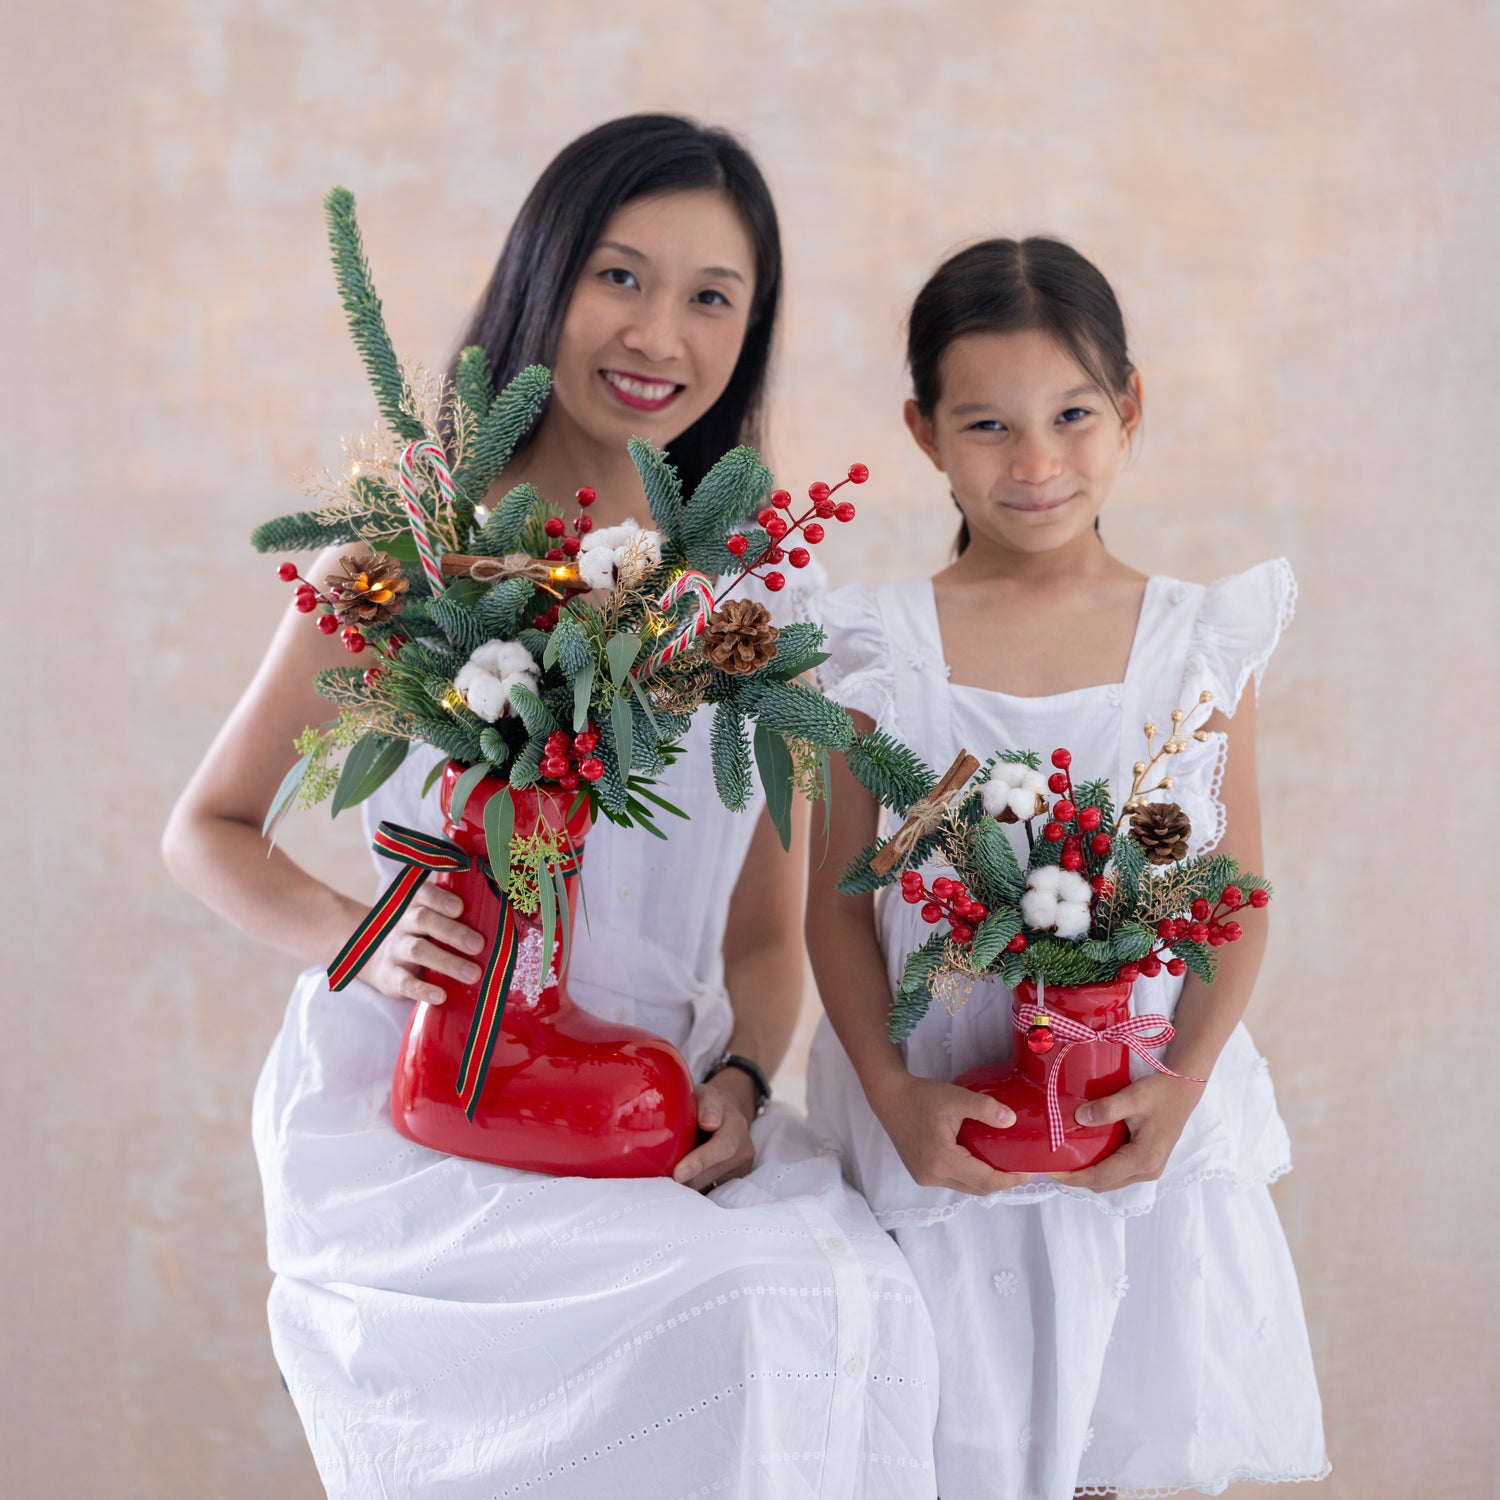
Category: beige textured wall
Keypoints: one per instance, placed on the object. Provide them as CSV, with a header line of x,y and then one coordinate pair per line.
x,y
1297,202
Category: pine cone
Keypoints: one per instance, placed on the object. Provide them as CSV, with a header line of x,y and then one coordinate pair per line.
x,y
369,591
740,637
1161,830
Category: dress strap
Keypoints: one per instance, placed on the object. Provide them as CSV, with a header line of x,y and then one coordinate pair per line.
x,y
920,670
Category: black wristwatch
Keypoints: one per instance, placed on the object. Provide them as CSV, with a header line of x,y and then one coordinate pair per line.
x,y
751,1071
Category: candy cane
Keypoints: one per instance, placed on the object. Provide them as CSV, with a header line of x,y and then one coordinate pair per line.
x,y
684,583
439,463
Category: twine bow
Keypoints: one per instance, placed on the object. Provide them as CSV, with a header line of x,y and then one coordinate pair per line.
x,y
924,815
1136,1032
423,854
512,565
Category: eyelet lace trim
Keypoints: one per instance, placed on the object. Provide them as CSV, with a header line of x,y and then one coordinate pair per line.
x,y
1215,1486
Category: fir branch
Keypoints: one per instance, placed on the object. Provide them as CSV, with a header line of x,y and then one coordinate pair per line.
x,y
663,488
792,708
729,745
891,773
510,416
303,531
473,383
913,995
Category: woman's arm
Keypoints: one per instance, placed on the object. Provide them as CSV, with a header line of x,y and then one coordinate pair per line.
x,y
922,1115
1156,1109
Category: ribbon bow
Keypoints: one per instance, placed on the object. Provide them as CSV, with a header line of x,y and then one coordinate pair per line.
x,y
1136,1032
423,854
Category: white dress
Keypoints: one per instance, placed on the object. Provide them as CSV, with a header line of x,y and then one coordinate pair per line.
x,y
452,1329
1149,1339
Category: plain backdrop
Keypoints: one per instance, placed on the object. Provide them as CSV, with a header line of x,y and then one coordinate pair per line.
x,y
1297,204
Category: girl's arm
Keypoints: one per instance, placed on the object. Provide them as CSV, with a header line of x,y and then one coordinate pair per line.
x,y
763,972
1156,1109
922,1115
212,843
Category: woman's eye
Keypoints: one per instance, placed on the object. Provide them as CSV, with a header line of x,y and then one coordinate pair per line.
x,y
1074,414
712,297
618,276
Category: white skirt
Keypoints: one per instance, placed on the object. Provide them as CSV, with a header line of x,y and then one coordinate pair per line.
x,y
453,1329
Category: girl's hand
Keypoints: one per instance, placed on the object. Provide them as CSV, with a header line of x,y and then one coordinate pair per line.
x,y
923,1116
1155,1110
412,945
728,1151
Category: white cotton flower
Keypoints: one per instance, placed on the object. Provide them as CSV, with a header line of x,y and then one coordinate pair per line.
x,y
1057,900
1014,793
637,558
609,538
626,554
597,569
481,691
502,658
492,670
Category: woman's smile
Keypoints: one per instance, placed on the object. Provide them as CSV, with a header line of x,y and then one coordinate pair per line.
x,y
639,391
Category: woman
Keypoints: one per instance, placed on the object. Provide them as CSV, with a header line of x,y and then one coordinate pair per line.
x,y
449,1328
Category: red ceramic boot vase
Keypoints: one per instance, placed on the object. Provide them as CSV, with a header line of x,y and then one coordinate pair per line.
x,y
565,1093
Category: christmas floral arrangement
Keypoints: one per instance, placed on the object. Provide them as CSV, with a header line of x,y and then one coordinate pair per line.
x,y
1103,898
532,646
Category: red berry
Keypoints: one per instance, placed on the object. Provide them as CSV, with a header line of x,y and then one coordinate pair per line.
x,y
591,769
1166,929
813,533
858,473
1064,811
287,571
1057,782
587,742
1017,944
396,642
555,554
1217,940
799,557
355,642
737,544
844,510
913,894
1071,842
1062,759
1260,899
765,516
1233,931
776,528
1071,859
1198,932
1128,974
568,781
555,526
825,508
335,593
585,495
1176,968
960,887
781,499
328,624
572,546
775,582
1089,819
583,525
775,555
307,601
1101,843
962,934
554,766
1180,927
1233,897
942,887
911,877
932,912
1200,910
978,911
1150,966
541,622
556,743
1052,832
372,676
818,491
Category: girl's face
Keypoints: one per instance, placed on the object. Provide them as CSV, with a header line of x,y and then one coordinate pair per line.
x,y
656,322
1030,444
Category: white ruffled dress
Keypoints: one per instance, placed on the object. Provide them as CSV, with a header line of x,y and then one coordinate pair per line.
x,y
1150,1339
453,1329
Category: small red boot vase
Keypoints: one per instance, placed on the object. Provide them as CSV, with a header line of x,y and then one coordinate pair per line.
x,y
1089,1070
565,1093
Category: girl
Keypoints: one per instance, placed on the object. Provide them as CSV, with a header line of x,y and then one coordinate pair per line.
x,y
1136,1325
450,1328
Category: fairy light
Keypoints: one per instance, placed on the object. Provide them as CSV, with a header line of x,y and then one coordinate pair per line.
x,y
452,700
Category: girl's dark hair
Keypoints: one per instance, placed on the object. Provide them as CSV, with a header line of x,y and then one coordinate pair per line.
x,y
519,318
1006,286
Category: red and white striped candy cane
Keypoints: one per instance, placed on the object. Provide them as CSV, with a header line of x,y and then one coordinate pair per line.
x,y
438,461
684,583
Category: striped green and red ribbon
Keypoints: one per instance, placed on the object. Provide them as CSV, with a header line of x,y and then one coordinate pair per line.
x,y
423,854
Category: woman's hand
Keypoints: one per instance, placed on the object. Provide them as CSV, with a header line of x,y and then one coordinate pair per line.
x,y
412,945
923,1116
1155,1110
725,1112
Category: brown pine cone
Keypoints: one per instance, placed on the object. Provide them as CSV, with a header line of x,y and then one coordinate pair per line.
x,y
740,637
369,591
1161,829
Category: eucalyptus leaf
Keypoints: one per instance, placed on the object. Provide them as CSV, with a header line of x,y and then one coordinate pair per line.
x,y
285,792
371,762
583,688
621,653
499,827
565,917
433,775
645,702
639,787
547,899
774,761
463,786
622,724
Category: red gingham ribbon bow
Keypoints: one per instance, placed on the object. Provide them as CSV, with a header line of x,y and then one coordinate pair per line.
x,y
1136,1032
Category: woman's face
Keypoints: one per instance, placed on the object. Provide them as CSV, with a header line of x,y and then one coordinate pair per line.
x,y
1030,444
655,325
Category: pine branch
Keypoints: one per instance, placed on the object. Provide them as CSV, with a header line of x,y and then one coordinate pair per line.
x,y
496,434
792,708
302,531
473,383
663,488
729,744
913,995
891,773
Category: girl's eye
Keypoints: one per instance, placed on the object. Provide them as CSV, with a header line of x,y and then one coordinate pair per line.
x,y
712,297
986,424
618,276
1074,414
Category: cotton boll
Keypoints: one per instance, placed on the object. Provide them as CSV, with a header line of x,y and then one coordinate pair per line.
x,y
1046,879
994,795
484,693
608,538
1026,802
1071,886
511,657
1039,908
597,569
1071,921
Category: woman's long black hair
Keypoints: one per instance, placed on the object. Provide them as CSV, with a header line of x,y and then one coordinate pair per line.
x,y
519,318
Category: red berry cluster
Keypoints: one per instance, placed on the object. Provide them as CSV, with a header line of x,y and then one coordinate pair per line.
x,y
565,547
1205,923
308,599
1084,843
950,899
779,528
567,757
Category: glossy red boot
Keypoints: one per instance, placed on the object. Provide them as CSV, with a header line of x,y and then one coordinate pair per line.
x,y
565,1093
1090,1070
